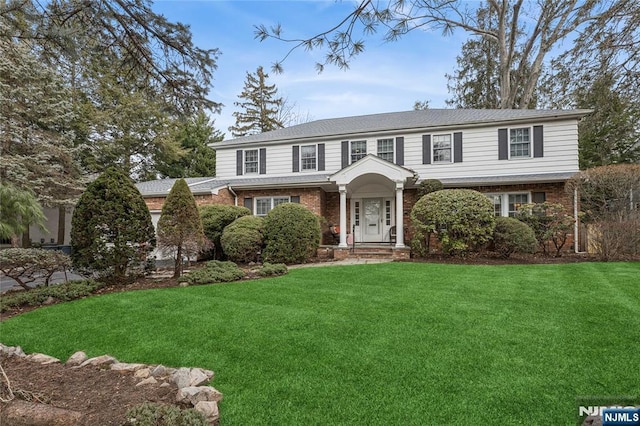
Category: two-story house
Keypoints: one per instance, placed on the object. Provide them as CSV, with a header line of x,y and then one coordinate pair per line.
x,y
362,172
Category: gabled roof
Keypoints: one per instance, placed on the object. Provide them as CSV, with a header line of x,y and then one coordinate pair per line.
x,y
396,121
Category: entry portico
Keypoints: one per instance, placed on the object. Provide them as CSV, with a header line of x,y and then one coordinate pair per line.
x,y
374,186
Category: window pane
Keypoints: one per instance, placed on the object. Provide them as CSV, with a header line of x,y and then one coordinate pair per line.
x,y
358,150
385,149
263,205
251,161
515,201
442,148
308,157
280,200
497,204
519,142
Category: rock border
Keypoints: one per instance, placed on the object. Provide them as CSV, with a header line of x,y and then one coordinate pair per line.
x,y
189,380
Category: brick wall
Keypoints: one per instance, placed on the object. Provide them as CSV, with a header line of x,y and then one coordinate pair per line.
x,y
311,198
224,197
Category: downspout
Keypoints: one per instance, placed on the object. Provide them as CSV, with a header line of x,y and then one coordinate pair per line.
x,y
576,225
234,194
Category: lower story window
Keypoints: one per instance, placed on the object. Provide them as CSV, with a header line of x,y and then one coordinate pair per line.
x,y
508,204
265,204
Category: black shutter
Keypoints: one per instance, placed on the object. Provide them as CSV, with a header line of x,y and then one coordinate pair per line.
x,y
320,157
457,147
538,145
295,166
263,161
503,144
538,197
295,199
400,151
345,154
239,165
248,203
426,149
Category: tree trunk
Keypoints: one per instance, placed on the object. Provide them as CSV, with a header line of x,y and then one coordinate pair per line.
x,y
177,270
26,239
62,219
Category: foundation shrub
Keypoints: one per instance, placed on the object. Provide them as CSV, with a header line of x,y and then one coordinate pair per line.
x,y
216,217
291,234
513,236
242,240
461,219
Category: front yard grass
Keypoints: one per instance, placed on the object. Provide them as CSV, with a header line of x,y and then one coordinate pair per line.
x,y
400,343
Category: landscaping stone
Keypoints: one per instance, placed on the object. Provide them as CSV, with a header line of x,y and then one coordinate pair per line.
x,y
126,367
160,371
77,358
209,409
42,359
195,394
143,373
12,350
100,360
147,381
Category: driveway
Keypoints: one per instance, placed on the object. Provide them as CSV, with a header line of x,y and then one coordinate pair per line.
x,y
7,283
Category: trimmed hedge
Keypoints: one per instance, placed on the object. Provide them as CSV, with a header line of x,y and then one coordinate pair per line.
x,y
291,234
242,240
513,236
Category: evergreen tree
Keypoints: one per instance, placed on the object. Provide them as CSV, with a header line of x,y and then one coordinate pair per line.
x,y
112,233
35,145
260,106
18,210
194,136
180,227
610,134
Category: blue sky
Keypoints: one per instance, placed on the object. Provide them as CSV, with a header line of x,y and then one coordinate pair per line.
x,y
386,77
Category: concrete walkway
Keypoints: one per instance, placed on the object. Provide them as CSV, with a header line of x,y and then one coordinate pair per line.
x,y
341,263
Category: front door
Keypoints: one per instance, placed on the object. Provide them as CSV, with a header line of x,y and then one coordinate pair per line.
x,y
372,231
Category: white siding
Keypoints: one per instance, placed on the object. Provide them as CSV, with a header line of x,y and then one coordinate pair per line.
x,y
479,147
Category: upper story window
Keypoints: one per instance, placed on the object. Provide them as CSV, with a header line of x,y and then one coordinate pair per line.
x,y
308,157
265,204
251,161
441,148
520,143
358,150
385,149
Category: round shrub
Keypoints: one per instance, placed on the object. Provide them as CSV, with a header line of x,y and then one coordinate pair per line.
x,y
242,240
291,234
461,219
513,236
216,217
428,186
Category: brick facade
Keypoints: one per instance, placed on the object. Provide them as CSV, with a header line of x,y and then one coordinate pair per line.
x,y
326,205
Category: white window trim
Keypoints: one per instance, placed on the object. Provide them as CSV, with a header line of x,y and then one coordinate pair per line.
x,y
433,148
315,146
530,142
255,203
504,207
244,162
393,148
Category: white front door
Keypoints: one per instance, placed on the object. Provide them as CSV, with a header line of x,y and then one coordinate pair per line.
x,y
372,229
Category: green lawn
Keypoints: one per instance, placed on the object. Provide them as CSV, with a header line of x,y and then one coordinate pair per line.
x,y
400,343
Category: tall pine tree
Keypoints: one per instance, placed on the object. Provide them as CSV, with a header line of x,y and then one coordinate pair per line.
x,y
260,106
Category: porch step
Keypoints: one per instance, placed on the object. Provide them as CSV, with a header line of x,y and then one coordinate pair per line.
x,y
371,253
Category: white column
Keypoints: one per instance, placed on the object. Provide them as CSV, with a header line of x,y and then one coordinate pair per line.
x,y
399,215
343,216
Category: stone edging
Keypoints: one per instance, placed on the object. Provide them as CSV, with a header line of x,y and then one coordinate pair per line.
x,y
204,399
